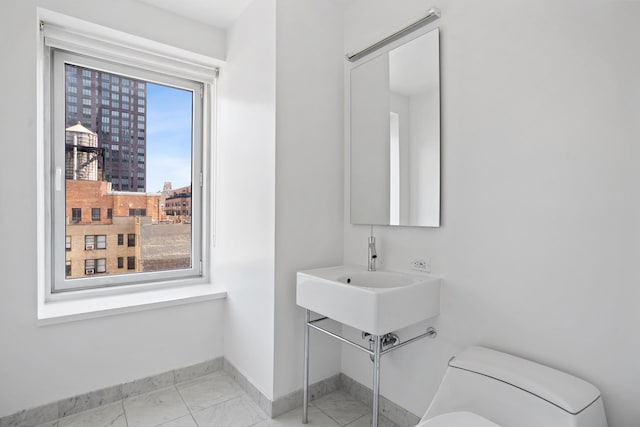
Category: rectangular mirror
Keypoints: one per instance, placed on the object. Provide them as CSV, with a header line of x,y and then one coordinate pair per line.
x,y
395,135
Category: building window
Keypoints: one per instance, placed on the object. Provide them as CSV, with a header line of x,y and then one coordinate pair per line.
x,y
154,89
92,242
67,243
138,212
67,268
94,266
89,243
89,266
76,214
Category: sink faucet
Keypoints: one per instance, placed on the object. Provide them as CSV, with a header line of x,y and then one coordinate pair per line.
x,y
371,265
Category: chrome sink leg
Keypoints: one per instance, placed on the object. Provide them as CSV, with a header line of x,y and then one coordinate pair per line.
x,y
376,380
305,383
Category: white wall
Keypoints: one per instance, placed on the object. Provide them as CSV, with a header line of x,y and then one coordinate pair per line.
x,y
369,118
424,155
538,245
400,105
40,364
309,175
245,212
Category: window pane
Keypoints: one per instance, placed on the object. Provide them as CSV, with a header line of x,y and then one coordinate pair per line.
x,y
76,214
136,164
89,243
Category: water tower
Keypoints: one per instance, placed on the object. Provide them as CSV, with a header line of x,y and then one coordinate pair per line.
x,y
81,153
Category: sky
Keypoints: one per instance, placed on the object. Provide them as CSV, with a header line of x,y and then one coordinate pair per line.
x,y
169,121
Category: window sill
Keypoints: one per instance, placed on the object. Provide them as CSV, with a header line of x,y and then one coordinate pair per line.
x,y
51,312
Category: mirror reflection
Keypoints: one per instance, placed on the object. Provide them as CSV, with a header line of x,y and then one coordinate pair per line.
x,y
395,136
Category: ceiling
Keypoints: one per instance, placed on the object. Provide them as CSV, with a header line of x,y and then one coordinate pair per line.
x,y
219,13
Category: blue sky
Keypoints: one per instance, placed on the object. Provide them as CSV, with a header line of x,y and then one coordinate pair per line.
x,y
169,120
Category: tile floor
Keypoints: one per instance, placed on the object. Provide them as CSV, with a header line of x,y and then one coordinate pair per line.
x,y
215,400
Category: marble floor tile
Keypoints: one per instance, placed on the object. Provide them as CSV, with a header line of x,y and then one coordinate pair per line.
x,y
207,391
365,421
186,421
111,415
238,412
155,408
317,418
340,406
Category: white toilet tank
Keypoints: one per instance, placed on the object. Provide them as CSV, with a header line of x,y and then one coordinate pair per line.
x,y
514,392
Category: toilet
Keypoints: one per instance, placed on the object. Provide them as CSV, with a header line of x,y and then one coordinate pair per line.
x,y
487,388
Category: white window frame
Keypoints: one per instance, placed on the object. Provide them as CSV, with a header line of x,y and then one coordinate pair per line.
x,y
96,43
61,283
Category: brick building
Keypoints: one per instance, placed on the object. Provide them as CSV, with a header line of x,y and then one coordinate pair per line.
x,y
176,203
103,232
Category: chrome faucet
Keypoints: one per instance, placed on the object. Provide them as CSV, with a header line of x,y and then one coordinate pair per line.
x,y
371,265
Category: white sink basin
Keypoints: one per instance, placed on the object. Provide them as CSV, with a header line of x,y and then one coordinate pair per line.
x,y
377,302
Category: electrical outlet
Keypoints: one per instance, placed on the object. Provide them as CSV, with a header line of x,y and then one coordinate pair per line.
x,y
421,265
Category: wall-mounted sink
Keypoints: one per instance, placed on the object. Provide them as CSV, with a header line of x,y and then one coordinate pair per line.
x,y
377,302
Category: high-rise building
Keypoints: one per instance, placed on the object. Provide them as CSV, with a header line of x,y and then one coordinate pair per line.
x,y
114,107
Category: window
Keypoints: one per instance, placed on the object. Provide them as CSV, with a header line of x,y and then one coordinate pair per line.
x,y
67,243
94,266
76,214
101,265
101,242
89,266
154,86
92,242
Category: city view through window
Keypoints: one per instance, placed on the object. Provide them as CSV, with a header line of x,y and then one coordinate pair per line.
x,y
128,169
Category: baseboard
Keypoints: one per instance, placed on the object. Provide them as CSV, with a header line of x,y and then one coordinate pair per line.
x,y
72,405
286,403
52,411
394,412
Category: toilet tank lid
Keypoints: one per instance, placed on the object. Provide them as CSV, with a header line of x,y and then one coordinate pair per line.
x,y
559,388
